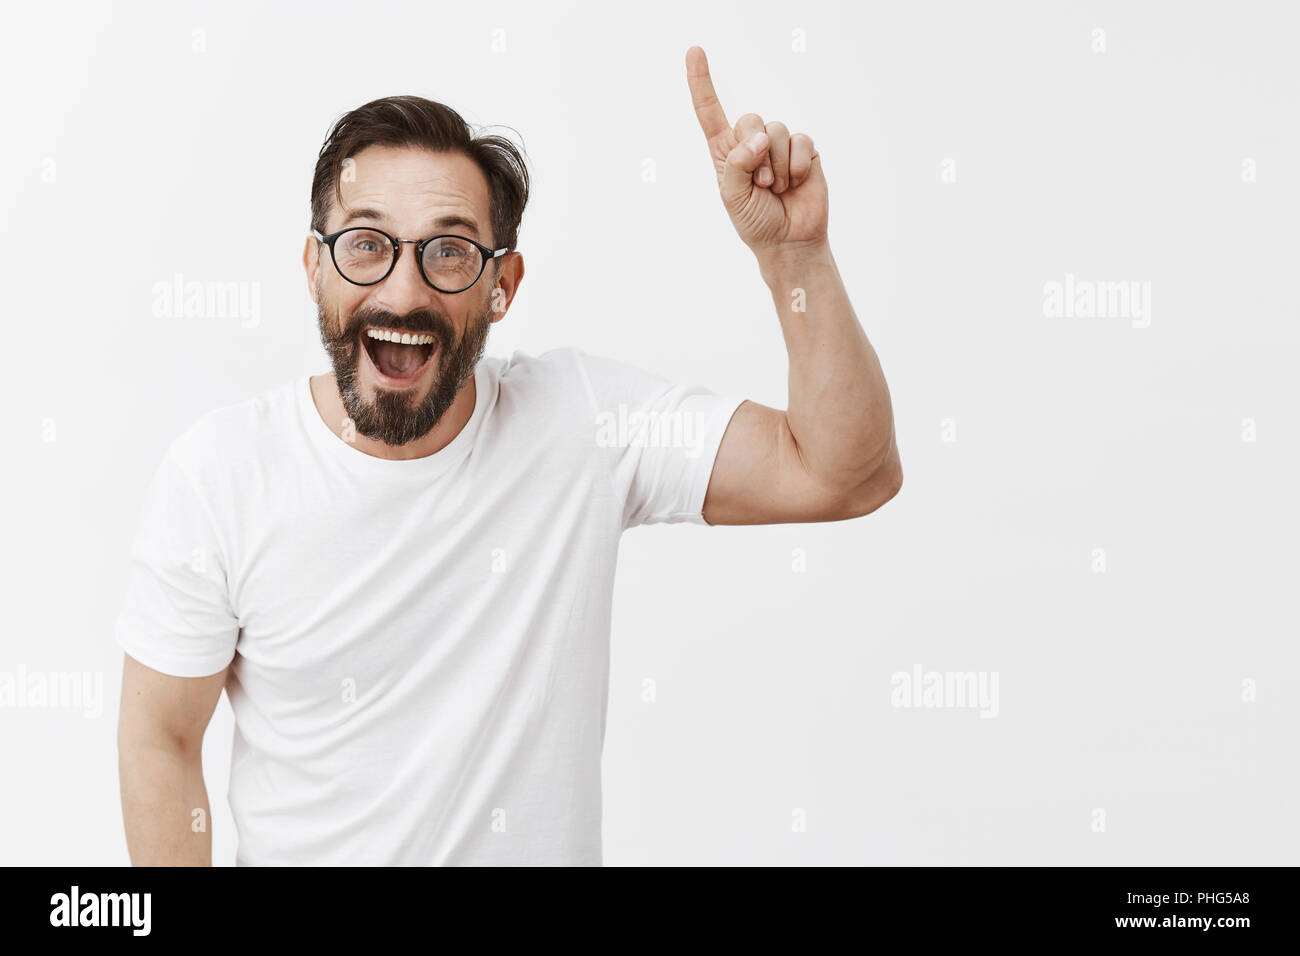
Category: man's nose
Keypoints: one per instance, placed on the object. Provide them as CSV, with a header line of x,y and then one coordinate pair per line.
x,y
404,289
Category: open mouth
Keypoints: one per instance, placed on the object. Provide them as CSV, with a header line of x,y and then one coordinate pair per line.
x,y
398,358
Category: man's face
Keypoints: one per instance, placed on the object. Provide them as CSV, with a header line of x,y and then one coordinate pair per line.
x,y
396,392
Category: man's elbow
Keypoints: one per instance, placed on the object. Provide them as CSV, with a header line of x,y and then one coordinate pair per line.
x,y
883,484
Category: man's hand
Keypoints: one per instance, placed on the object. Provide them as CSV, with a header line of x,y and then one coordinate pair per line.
x,y
771,182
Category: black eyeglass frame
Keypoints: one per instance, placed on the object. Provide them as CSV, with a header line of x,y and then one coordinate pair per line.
x,y
486,254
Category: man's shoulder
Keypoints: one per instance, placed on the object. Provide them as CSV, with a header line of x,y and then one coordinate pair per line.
x,y
552,364
569,368
229,435
547,375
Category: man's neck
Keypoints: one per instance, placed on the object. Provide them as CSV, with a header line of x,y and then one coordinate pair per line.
x,y
329,405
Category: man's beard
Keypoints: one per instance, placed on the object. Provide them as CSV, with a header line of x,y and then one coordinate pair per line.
x,y
390,418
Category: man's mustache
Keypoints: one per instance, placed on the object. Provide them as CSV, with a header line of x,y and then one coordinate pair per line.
x,y
422,321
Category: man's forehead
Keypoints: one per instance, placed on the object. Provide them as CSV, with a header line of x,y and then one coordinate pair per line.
x,y
413,188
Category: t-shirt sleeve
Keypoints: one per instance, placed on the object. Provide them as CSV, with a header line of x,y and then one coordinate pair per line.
x,y
177,616
659,438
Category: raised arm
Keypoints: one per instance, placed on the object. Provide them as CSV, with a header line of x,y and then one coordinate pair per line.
x,y
832,454
160,764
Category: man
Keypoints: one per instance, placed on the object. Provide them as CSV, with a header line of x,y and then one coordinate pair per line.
x,y
401,573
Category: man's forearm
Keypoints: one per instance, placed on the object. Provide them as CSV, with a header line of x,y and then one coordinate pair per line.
x,y
162,786
839,409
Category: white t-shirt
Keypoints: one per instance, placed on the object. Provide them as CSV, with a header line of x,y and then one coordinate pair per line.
x,y
420,648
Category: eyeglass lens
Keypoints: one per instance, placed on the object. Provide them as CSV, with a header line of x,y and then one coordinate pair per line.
x,y
365,256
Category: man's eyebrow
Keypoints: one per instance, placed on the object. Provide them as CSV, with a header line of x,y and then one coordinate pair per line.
x,y
442,222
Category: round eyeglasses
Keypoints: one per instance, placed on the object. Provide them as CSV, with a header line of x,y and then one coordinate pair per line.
x,y
364,255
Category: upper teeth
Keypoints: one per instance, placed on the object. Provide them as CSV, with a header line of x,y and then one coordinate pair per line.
x,y
405,338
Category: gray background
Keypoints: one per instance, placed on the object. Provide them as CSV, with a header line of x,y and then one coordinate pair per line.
x,y
137,149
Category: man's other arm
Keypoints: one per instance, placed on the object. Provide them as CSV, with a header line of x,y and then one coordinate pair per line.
x,y
160,764
833,454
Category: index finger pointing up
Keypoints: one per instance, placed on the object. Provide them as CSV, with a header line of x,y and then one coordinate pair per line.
x,y
707,108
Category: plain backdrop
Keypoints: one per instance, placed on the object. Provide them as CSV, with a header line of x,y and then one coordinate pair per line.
x,y
1099,511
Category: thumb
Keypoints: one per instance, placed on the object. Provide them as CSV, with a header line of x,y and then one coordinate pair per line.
x,y
738,173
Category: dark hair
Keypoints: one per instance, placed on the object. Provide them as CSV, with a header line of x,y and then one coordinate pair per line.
x,y
415,121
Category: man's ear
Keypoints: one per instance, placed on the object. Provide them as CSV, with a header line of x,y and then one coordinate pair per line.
x,y
510,273
311,263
